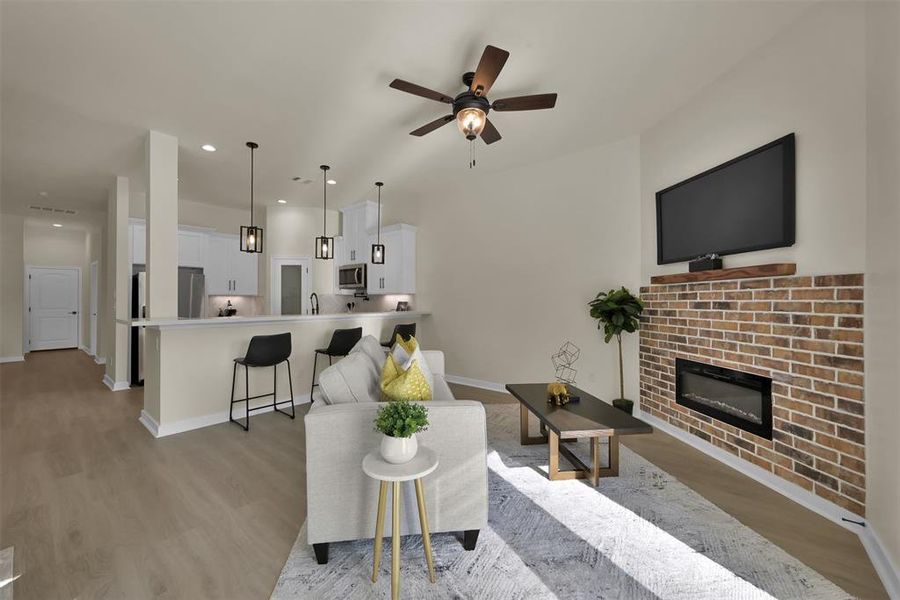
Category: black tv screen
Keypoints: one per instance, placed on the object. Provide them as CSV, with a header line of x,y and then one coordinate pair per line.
x,y
742,205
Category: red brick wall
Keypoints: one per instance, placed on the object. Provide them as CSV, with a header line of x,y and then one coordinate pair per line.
x,y
806,333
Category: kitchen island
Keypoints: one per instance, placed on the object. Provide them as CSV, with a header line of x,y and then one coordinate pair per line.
x,y
188,362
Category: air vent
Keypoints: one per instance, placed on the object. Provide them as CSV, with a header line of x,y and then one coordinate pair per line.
x,y
50,209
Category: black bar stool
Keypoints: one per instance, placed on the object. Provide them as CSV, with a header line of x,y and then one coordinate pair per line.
x,y
342,342
264,351
404,330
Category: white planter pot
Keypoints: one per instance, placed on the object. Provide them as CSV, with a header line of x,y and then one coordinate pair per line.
x,y
398,450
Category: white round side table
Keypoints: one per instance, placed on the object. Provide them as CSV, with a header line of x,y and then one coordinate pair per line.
x,y
423,463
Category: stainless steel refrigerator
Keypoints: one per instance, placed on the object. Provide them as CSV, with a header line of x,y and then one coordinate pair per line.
x,y
191,305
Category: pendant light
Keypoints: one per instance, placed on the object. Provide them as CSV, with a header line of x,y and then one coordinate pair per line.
x,y
324,244
251,236
378,247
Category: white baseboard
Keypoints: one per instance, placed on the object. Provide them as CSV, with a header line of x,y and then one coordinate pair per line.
x,y
887,570
9,359
476,383
116,386
149,422
183,425
100,360
817,504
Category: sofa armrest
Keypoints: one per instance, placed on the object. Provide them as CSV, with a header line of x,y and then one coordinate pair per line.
x,y
341,499
435,359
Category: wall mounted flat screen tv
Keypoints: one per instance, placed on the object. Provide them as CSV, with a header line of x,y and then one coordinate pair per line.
x,y
745,204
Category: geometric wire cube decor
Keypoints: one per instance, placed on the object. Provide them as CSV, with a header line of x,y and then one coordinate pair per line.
x,y
563,360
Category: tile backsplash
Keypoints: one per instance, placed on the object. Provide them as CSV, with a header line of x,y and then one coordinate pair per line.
x,y
251,306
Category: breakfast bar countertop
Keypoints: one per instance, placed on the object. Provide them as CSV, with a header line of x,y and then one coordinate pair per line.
x,y
166,323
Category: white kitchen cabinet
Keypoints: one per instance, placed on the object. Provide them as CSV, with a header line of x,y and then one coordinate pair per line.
x,y
191,246
192,249
228,270
358,220
374,273
218,270
398,273
245,272
138,244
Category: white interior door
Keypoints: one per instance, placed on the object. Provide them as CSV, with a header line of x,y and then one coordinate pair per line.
x,y
94,302
290,286
53,305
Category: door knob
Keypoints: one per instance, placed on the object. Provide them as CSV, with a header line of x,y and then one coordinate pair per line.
x,y
74,312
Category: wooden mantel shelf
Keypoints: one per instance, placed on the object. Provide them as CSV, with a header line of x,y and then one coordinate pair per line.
x,y
772,270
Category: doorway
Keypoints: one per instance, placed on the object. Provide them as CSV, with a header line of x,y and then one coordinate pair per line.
x,y
52,307
94,301
290,285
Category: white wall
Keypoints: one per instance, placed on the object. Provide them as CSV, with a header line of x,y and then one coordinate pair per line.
x,y
12,277
883,277
810,79
290,231
508,261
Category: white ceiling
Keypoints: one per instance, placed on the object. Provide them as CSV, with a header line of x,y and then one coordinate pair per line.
x,y
82,82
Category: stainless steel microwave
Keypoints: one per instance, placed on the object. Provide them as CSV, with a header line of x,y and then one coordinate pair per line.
x,y
352,277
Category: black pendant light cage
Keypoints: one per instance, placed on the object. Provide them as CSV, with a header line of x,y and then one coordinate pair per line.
x,y
378,247
251,235
324,244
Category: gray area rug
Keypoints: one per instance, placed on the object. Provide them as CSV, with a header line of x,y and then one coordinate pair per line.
x,y
629,539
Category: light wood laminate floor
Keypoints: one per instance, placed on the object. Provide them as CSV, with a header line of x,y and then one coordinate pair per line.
x,y
97,508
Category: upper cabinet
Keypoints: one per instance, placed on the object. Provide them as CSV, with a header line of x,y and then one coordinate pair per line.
x,y
398,273
138,244
358,220
359,231
192,246
228,270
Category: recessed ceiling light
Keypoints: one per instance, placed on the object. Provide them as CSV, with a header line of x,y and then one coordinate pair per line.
x,y
280,201
42,194
208,147
331,182
57,224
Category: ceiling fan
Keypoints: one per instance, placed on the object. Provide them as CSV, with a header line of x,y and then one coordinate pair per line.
x,y
470,108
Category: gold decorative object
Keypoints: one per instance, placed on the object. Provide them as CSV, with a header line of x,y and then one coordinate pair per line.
x,y
558,394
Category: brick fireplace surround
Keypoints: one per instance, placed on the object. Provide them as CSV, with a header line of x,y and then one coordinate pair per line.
x,y
806,333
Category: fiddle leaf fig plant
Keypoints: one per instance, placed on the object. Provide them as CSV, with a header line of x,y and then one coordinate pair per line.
x,y
617,312
401,419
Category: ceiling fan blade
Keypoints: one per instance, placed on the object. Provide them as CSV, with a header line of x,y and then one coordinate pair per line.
x,y
489,134
431,126
492,60
418,90
535,102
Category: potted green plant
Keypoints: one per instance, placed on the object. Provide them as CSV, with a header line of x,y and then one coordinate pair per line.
x,y
617,312
399,421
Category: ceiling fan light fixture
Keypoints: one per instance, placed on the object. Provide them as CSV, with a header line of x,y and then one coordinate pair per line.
x,y
471,122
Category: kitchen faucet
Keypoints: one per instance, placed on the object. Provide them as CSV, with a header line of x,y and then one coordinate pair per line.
x,y
315,308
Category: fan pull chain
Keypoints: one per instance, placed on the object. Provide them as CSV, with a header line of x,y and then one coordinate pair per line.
x,y
471,153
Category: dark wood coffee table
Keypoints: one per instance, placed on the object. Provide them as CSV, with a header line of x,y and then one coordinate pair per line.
x,y
589,418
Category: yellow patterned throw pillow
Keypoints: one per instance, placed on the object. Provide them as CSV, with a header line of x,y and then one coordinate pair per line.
x,y
390,371
407,347
410,384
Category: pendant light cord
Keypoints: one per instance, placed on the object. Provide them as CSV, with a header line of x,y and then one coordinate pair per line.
x,y
251,186
379,215
324,202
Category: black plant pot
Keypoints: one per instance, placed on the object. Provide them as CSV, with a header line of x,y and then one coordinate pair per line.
x,y
624,405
